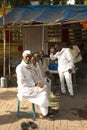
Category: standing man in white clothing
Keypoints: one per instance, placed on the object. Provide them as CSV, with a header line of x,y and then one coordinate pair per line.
x,y
65,65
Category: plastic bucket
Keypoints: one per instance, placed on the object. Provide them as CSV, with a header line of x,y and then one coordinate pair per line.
x,y
3,82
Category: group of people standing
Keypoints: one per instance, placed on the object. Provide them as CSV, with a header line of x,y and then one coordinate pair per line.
x,y
33,83
69,65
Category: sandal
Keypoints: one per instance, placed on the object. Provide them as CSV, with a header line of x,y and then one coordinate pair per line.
x,y
32,125
24,126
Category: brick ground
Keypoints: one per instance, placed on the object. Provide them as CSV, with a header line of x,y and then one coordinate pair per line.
x,y
72,110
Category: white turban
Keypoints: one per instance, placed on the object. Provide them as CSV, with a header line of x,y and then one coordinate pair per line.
x,y
26,52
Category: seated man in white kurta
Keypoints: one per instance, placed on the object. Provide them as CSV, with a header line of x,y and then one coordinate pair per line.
x,y
35,93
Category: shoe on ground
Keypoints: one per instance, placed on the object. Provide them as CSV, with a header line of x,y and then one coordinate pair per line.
x,y
52,111
32,125
71,95
55,111
24,126
48,116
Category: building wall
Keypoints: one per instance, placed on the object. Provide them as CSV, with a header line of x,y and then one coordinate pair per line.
x,y
35,38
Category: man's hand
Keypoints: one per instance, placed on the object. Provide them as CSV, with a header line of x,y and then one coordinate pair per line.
x,y
39,85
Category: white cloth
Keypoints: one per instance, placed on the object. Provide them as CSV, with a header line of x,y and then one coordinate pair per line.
x,y
65,62
27,88
39,76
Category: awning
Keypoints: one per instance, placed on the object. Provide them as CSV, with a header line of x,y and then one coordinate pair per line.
x,y
45,14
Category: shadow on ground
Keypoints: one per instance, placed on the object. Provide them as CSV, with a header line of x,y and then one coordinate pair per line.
x,y
11,117
7,95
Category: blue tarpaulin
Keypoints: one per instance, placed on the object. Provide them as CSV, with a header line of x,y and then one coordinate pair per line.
x,y
46,14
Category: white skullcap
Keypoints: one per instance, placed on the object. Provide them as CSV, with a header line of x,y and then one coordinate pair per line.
x,y
26,52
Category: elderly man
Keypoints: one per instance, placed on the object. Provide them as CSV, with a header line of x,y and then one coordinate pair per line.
x,y
27,88
65,65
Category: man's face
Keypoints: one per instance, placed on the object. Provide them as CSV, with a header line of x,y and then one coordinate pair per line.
x,y
26,58
33,60
52,49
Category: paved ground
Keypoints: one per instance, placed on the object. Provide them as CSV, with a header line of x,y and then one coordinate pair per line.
x,y
72,110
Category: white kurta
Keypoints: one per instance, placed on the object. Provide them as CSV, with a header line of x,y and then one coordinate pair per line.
x,y
27,88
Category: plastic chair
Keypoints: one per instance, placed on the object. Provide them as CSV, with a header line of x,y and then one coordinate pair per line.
x,y
30,112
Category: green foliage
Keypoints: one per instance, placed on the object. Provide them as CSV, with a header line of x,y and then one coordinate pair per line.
x,y
14,3
44,2
48,2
